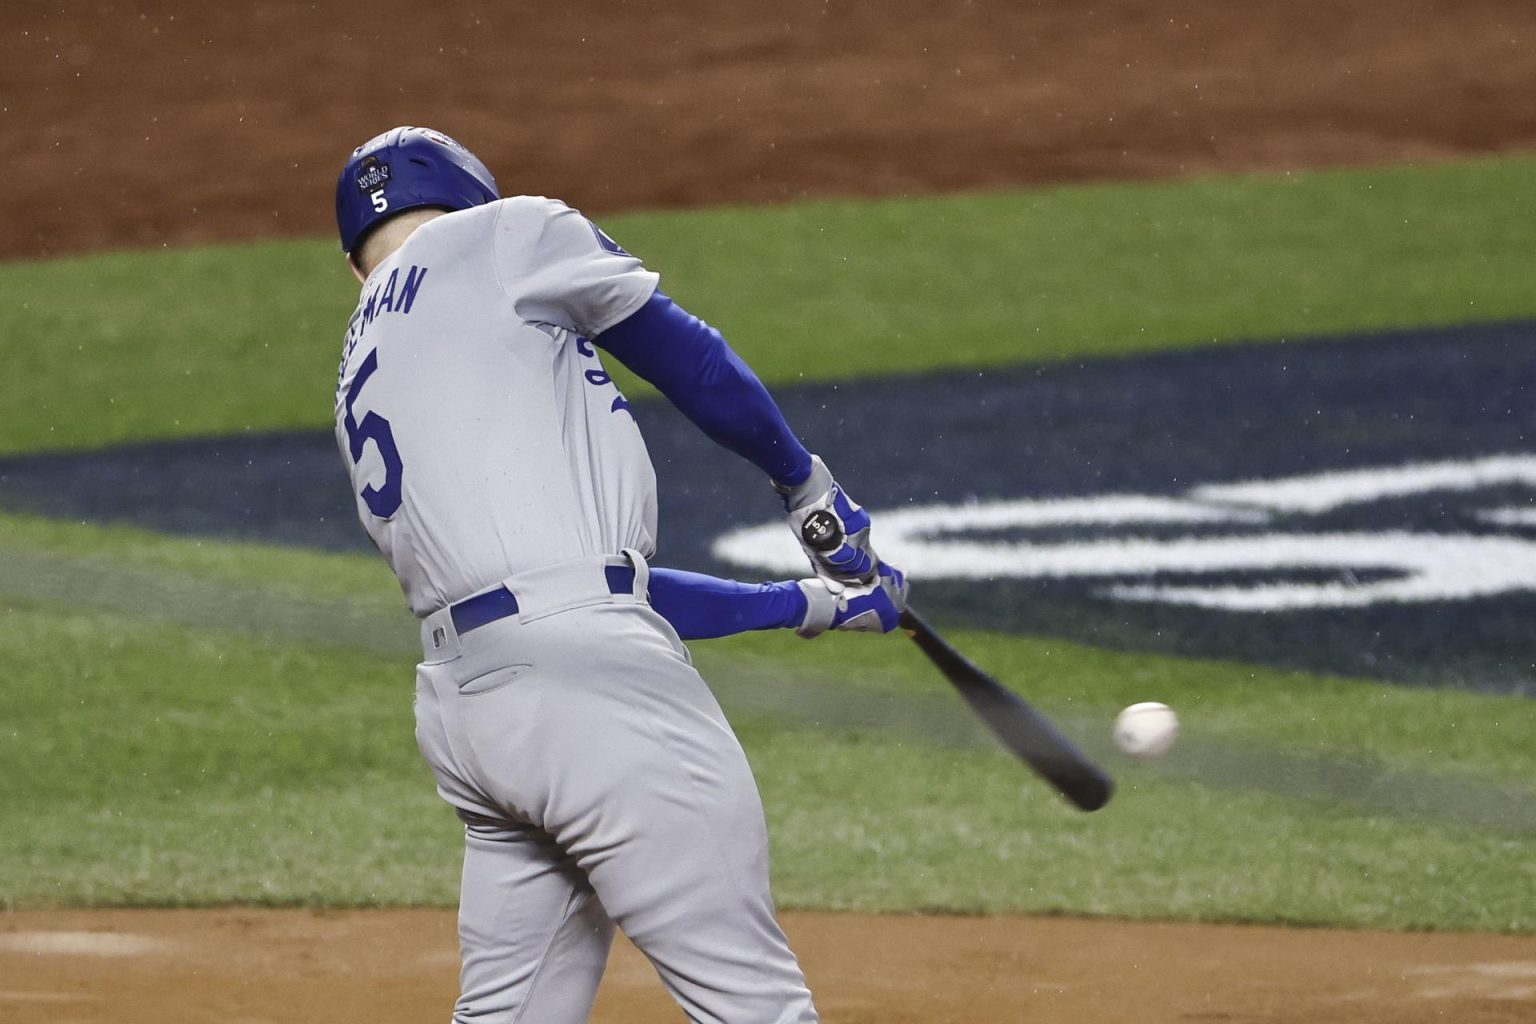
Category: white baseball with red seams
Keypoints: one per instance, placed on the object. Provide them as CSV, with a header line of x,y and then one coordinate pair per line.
x,y
1147,729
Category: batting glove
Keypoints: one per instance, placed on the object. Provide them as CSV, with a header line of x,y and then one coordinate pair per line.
x,y
852,561
863,608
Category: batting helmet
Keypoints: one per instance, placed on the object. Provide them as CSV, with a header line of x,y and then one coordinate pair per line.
x,y
403,169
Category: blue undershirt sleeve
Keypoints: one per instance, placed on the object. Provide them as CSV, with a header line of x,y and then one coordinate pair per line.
x,y
692,365
701,607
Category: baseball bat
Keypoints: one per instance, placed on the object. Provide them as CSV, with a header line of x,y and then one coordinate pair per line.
x,y
1013,720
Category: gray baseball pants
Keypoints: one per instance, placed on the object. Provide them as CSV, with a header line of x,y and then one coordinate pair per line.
x,y
600,785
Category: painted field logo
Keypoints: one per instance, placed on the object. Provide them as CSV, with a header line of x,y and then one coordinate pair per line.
x,y
1253,546
1360,506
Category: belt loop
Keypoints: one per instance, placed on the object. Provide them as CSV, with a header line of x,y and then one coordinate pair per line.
x,y
642,573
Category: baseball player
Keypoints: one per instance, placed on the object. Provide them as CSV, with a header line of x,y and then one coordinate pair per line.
x,y
501,473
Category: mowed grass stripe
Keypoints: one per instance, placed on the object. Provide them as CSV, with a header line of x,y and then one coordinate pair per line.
x,y
894,692
351,602
209,340
152,764
181,725
231,726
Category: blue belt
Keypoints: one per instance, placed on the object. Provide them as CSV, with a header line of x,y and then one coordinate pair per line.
x,y
483,609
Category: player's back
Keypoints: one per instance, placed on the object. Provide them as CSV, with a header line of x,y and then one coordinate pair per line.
x,y
482,434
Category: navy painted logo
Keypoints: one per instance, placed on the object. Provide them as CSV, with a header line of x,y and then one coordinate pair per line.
x,y
1363,505
1330,540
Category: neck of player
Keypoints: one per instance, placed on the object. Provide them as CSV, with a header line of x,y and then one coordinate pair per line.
x,y
384,239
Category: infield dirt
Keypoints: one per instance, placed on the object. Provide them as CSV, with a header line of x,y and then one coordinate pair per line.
x,y
251,966
169,122
172,123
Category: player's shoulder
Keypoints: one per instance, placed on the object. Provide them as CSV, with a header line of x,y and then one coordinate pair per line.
x,y
529,213
456,231
516,222
540,228
514,213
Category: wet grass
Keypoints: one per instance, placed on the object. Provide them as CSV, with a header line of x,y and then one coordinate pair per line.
x,y
194,722
217,339
194,747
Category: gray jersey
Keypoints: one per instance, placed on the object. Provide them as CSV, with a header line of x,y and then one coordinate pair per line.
x,y
600,784
483,435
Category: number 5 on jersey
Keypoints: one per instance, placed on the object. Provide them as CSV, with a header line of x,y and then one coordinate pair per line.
x,y
381,501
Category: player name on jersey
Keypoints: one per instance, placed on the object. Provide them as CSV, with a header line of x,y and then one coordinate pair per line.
x,y
392,296
385,298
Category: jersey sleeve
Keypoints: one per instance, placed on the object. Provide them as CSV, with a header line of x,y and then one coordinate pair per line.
x,y
689,362
560,269
703,607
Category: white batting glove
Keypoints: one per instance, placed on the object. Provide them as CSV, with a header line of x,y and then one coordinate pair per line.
x,y
852,561
863,608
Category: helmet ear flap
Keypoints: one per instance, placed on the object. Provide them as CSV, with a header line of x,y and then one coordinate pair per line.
x,y
404,169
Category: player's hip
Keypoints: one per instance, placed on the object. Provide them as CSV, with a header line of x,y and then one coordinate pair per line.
x,y
585,617
526,597
598,692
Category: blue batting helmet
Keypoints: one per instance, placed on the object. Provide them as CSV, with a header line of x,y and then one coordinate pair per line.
x,y
403,169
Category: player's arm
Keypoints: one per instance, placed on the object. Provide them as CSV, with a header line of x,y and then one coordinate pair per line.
x,y
702,607
690,363
560,269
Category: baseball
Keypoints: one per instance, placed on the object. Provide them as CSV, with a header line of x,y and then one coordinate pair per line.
x,y
1147,729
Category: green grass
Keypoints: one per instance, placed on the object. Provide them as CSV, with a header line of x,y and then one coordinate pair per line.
x,y
1255,708
152,764
209,340
954,832
166,757
276,568
190,721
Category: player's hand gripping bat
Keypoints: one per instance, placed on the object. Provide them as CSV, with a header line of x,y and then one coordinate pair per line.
x,y
1022,729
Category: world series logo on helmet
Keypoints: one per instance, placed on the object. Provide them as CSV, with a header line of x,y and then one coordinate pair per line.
x,y
371,174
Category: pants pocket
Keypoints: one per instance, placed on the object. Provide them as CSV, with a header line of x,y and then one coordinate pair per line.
x,y
495,679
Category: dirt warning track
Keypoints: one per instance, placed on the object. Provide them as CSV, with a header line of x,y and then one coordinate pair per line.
x,y
392,967
165,122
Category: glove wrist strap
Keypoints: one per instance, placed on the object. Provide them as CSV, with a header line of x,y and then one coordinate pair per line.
x,y
820,608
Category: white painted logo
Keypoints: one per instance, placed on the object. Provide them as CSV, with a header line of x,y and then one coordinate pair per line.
x,y
1400,565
